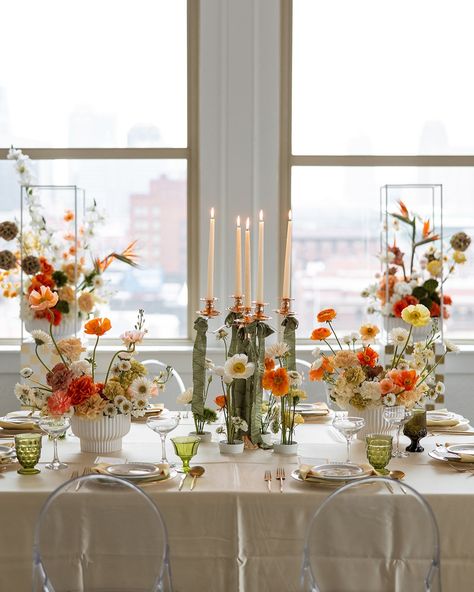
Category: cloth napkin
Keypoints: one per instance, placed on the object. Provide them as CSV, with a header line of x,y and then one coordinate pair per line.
x,y
441,422
23,425
467,458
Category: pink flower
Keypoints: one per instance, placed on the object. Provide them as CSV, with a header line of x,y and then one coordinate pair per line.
x,y
60,377
43,299
59,403
130,337
386,386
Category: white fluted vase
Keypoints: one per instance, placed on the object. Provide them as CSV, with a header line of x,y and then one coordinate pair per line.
x,y
417,334
374,421
101,435
66,328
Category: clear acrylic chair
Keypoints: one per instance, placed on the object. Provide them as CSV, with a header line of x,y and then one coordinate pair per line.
x,y
372,536
99,533
174,373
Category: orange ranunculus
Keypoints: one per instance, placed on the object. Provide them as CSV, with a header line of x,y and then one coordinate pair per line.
x,y
221,401
269,363
399,306
328,314
320,334
318,373
368,357
42,299
40,279
435,310
68,216
46,267
97,326
405,379
276,381
81,389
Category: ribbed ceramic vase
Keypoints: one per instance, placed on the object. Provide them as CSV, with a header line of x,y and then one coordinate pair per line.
x,y
374,421
418,333
66,327
101,435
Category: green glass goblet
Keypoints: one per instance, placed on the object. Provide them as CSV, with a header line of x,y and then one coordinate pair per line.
x,y
379,452
185,447
28,452
415,428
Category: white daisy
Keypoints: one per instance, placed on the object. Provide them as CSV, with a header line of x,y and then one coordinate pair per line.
x,y
138,412
24,393
141,403
125,356
125,407
41,337
295,377
110,410
26,372
239,424
119,400
429,356
238,366
277,350
440,388
399,336
124,365
186,397
98,282
141,387
451,347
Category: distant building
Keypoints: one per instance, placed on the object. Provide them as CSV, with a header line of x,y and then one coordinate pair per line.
x,y
158,221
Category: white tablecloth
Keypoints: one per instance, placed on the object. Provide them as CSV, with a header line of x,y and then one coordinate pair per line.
x,y
230,533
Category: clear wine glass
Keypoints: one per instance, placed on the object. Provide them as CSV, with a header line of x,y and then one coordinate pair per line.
x,y
55,426
163,425
348,427
397,416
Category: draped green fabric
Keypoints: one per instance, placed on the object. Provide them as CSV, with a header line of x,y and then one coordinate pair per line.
x,y
199,365
230,323
259,334
290,325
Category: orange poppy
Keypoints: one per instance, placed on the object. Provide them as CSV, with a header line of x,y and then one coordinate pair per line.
x,y
276,381
328,314
368,357
405,379
46,267
325,368
269,363
68,216
220,401
320,334
97,326
42,299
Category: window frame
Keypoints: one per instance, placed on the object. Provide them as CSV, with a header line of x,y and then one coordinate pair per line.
x,y
189,153
288,159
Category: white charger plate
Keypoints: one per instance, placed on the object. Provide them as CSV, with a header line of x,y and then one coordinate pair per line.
x,y
133,470
340,471
461,448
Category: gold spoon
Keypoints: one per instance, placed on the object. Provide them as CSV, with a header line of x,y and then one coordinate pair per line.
x,y
195,472
397,475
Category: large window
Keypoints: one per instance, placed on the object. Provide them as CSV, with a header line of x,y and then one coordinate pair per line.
x,y
100,95
368,105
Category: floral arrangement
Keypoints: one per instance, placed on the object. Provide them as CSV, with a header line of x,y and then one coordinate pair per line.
x,y
356,378
54,260
71,386
208,415
418,280
283,385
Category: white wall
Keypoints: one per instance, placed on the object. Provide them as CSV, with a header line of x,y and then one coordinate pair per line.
x,y
239,135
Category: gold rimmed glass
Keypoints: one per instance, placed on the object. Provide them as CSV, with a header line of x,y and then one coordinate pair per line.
x,y
186,447
28,452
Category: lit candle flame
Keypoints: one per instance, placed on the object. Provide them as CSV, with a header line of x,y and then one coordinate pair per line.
x,y
289,215
260,216
212,212
247,224
238,221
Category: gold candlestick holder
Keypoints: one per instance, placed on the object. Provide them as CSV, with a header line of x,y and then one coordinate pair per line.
x,y
238,307
260,311
285,308
209,310
246,317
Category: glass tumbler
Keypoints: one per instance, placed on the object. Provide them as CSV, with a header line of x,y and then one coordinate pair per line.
x,y
379,452
28,452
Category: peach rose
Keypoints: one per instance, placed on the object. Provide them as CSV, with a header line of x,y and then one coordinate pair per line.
x,y
86,302
386,386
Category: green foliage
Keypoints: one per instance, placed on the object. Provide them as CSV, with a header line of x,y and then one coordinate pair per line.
x,y
420,293
430,286
60,278
62,306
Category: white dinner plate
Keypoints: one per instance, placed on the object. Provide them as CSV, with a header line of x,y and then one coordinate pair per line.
x,y
461,448
439,415
133,470
6,451
340,471
437,454
19,420
313,481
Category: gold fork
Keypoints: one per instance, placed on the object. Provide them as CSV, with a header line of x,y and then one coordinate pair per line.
x,y
268,479
280,475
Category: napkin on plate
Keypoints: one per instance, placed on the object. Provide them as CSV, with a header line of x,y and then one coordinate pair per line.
x,y
462,457
447,423
164,471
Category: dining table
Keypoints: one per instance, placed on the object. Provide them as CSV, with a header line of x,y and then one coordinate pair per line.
x,y
231,533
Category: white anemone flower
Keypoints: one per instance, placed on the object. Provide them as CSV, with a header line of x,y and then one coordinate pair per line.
x,y
238,366
110,410
399,336
186,397
440,388
141,387
390,399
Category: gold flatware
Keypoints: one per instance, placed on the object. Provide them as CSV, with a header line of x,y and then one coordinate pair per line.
x,y
196,472
87,471
398,476
268,479
74,475
181,483
280,475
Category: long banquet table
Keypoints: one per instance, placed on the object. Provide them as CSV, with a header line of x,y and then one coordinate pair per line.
x,y
230,533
